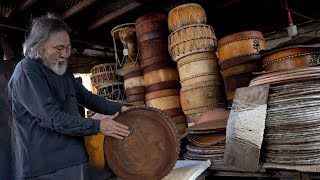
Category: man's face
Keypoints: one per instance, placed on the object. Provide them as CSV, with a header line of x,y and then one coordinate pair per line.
x,y
55,52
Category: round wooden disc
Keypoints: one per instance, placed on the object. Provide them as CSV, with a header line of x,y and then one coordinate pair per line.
x,y
150,151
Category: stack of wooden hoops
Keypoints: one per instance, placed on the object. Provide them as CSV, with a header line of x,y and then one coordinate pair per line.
x,y
107,82
292,124
161,78
238,57
192,46
129,66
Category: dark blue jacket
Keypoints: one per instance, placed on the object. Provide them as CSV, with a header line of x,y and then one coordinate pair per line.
x,y
45,109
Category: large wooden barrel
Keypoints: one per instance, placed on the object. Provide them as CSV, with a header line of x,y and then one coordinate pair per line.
x,y
164,99
154,51
151,26
291,59
202,66
186,14
191,39
239,48
133,79
160,76
202,96
236,77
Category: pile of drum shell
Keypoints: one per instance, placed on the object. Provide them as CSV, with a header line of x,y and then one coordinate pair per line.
x,y
239,56
291,127
107,82
161,77
192,45
129,66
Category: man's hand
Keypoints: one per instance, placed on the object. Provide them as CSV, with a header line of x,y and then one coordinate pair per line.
x,y
109,127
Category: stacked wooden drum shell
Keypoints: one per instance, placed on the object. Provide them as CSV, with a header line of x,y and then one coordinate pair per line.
x,y
161,78
192,46
129,66
107,82
292,124
292,58
238,57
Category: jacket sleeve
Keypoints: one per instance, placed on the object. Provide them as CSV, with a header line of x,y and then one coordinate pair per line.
x,y
32,91
94,102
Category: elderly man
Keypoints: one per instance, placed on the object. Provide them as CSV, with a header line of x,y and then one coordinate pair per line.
x,y
45,98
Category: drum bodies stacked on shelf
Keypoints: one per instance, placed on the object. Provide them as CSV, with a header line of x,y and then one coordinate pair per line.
x,y
129,66
192,46
107,82
161,78
238,57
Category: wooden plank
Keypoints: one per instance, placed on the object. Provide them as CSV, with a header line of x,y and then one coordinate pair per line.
x,y
245,127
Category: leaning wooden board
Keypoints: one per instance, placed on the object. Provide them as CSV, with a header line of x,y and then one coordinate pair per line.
x,y
245,127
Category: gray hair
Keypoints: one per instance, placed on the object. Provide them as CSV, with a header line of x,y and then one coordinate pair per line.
x,y
42,28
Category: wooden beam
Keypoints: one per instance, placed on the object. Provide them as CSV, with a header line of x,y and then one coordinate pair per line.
x,y
113,15
25,4
77,8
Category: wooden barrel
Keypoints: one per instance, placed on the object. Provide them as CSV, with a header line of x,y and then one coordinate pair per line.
x,y
291,59
103,74
162,93
186,14
134,91
162,78
191,39
151,26
164,99
133,79
236,77
202,96
173,112
198,67
136,97
164,103
154,51
239,48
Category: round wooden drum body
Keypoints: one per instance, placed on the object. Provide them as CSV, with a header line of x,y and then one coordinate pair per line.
x,y
236,77
112,91
133,79
191,39
181,123
150,151
202,96
198,67
159,77
164,99
151,26
154,51
186,14
127,34
240,48
291,59
103,74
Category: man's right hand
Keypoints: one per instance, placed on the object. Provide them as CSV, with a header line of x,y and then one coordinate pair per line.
x,y
109,127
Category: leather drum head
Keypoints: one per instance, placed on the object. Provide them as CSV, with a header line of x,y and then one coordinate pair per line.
x,y
150,151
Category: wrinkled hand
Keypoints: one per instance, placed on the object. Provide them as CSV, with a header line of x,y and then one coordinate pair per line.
x,y
109,127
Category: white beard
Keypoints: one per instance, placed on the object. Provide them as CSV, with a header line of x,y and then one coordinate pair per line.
x,y
57,68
